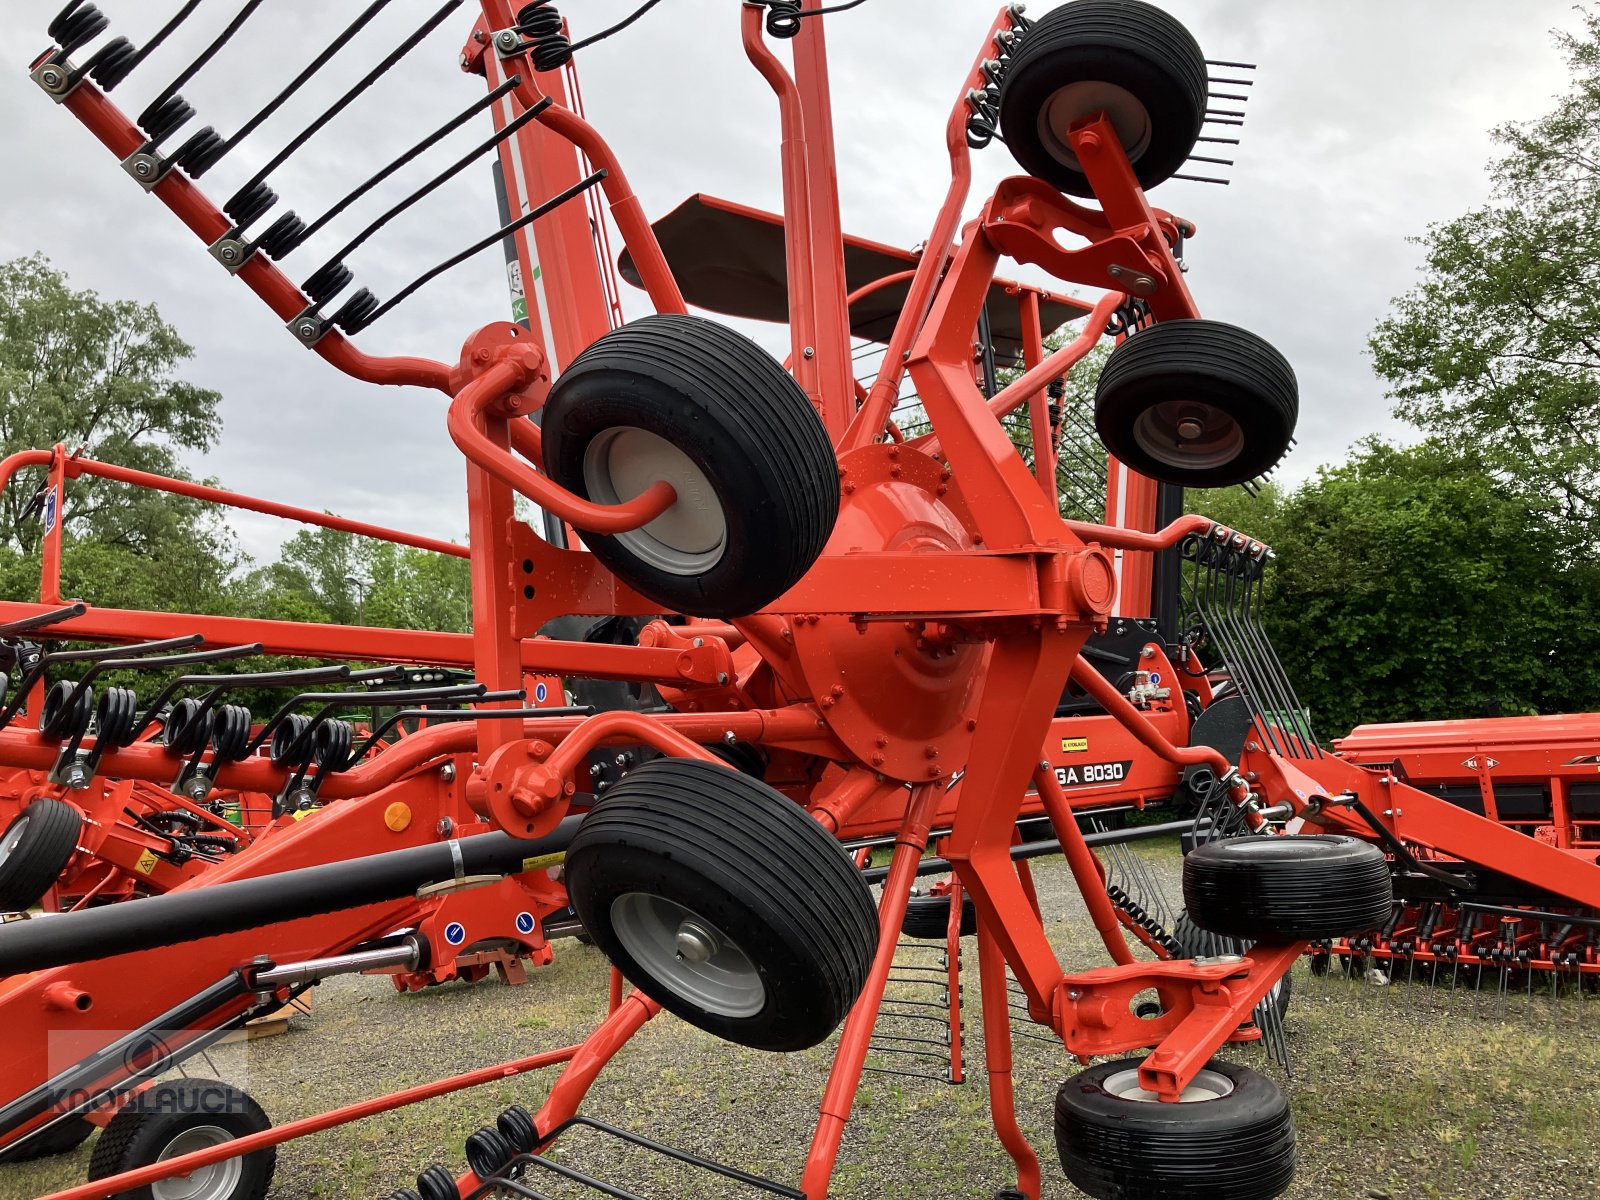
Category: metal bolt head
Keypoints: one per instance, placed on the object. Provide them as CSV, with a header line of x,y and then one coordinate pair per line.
x,y
694,942
447,772
229,253
809,352
445,827
698,642
731,738
143,167
1189,429
507,40
306,329
722,677
52,77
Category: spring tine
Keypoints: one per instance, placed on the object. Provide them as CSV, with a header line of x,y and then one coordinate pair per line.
x,y
1237,66
26,624
1231,82
1224,112
432,139
1241,97
1226,162
344,101
494,239
443,177
356,700
1224,120
189,72
36,672
110,71
272,106
1227,141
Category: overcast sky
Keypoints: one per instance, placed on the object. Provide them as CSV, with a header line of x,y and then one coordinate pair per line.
x,y
1369,121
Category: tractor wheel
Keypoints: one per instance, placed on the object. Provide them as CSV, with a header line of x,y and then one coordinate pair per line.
x,y
1129,60
1230,1138
180,1117
721,899
1197,403
34,850
692,402
60,1138
928,917
1287,888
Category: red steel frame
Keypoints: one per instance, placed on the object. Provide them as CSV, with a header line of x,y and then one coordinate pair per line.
x,y
1012,617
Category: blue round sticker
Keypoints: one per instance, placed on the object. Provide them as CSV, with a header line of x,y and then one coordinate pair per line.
x,y
1155,678
455,933
524,922
540,691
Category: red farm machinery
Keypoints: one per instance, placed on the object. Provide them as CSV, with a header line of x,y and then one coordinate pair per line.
x,y
789,627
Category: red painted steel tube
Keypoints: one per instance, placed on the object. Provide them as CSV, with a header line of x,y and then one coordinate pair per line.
x,y
588,1059
74,467
1084,865
845,1077
1031,382
128,1181
873,414
1044,440
1132,539
50,552
997,1062
467,423
1115,703
796,206
952,978
260,275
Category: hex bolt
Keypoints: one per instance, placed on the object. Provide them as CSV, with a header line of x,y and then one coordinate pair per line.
x,y
53,78
507,41
447,772
722,677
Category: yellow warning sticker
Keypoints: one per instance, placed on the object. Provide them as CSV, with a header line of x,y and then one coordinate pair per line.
x,y
146,862
1074,745
543,861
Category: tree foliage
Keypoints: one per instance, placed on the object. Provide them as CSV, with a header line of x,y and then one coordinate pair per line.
x,y
1497,349
1413,584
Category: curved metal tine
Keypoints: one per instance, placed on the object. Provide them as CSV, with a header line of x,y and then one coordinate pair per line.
x,y
470,714
169,660
494,239
365,700
439,180
333,47
139,55
345,100
426,143
351,699
27,624
189,72
225,683
36,672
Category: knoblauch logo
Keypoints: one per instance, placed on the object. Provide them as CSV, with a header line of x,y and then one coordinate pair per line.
x,y
159,1054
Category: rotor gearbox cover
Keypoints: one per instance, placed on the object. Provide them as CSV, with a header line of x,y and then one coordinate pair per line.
x,y
899,694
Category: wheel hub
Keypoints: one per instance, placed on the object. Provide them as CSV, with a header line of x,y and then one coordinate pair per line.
x,y
695,942
217,1181
689,954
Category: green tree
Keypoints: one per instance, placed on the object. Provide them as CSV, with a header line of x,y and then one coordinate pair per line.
x,y
1498,347
100,377
1413,584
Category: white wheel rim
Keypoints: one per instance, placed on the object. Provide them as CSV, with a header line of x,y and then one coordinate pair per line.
x,y
13,836
688,954
1129,118
1206,1085
215,1182
690,537
1188,433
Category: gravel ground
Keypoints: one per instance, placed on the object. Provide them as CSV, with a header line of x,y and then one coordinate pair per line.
x,y
1400,1092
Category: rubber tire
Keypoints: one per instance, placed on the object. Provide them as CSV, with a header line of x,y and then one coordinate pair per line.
x,y
62,1138
928,918
1288,888
1211,362
148,1122
36,862
747,860
1238,1147
1133,45
744,422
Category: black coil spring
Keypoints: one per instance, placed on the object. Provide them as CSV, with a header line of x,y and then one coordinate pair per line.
x,y
230,733
403,1194
290,745
353,316
249,204
188,728
63,714
330,746
112,62
116,718
783,18
282,236
488,1152
326,282
159,120
540,23
516,1126
76,24
435,1183
201,152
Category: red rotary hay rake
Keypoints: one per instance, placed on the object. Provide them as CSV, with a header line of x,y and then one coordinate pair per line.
x,y
880,627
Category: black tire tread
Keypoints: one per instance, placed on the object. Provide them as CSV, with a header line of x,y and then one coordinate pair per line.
x,y
928,917
37,861
118,1148
1244,888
